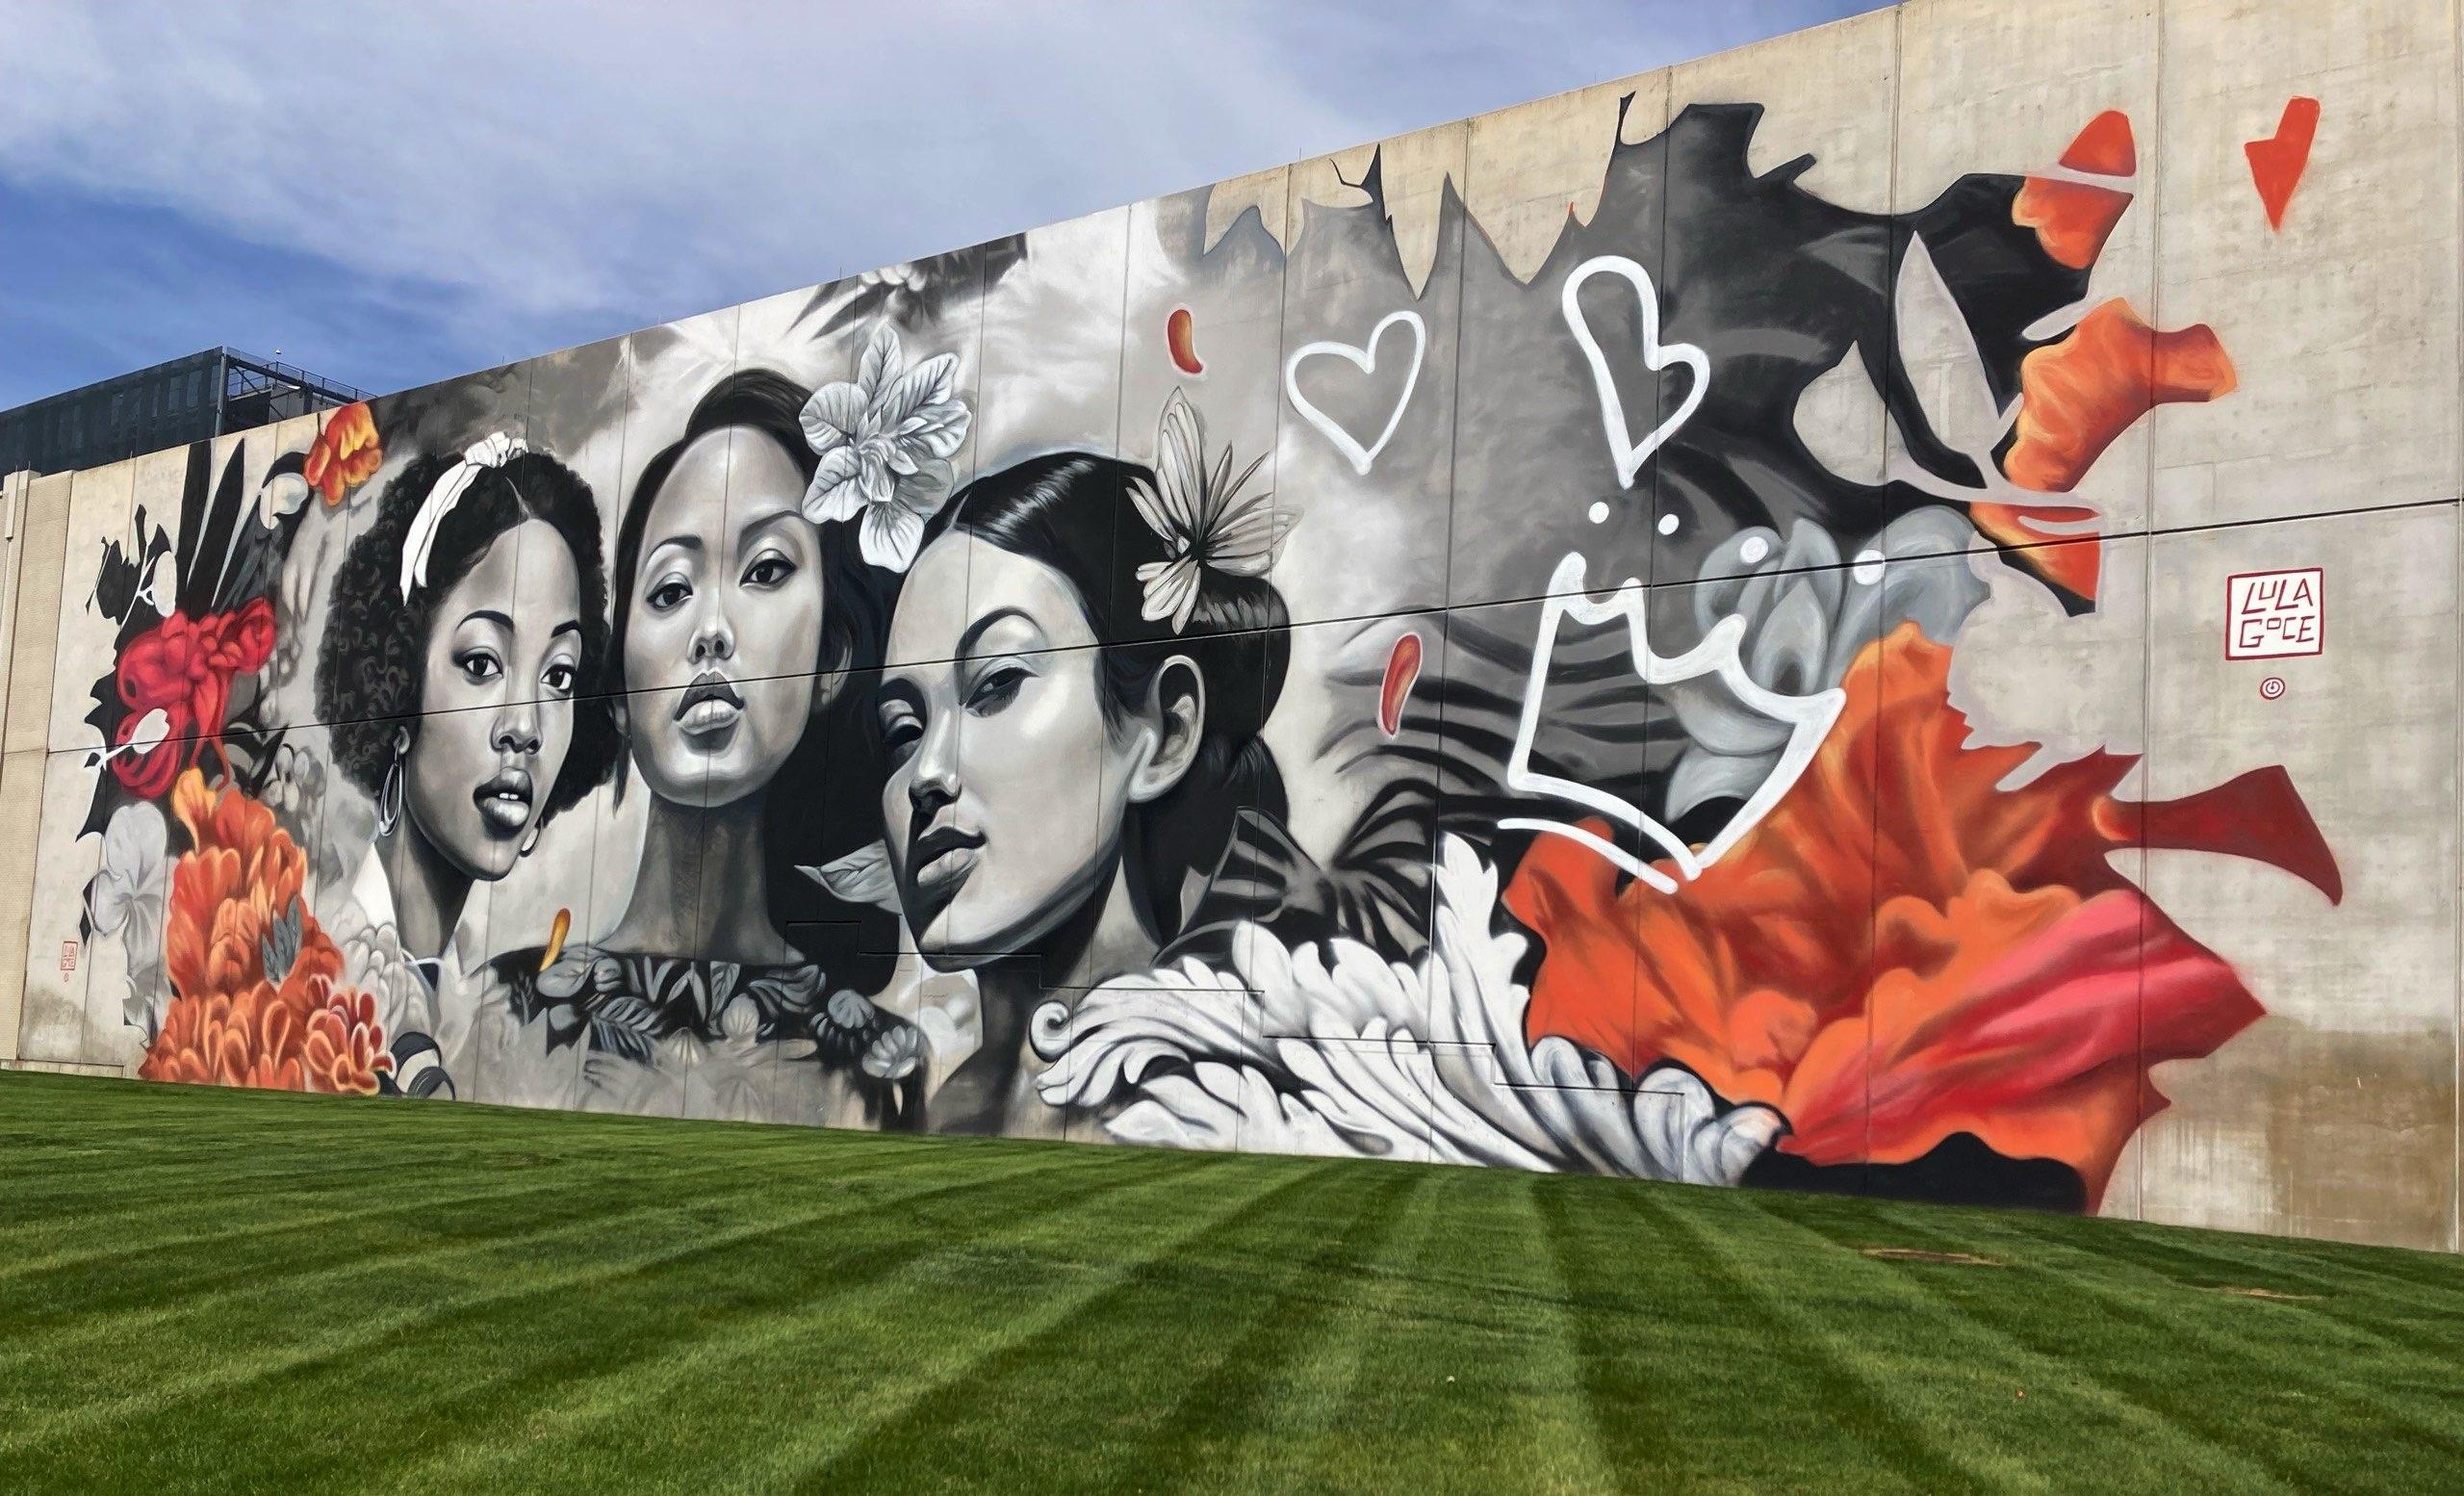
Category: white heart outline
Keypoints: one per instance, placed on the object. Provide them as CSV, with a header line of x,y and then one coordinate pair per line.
x,y
1365,359
1630,455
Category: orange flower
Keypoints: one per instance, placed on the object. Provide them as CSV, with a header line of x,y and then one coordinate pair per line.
x,y
1903,951
347,453
235,905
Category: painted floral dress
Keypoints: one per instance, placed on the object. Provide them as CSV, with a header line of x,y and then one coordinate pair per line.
x,y
631,1031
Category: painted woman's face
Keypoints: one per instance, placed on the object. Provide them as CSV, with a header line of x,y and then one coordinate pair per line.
x,y
728,593
1007,787
496,701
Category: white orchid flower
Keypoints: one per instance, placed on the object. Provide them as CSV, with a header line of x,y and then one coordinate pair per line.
x,y
885,443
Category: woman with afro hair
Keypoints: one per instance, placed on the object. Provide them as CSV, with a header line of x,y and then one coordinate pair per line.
x,y
468,625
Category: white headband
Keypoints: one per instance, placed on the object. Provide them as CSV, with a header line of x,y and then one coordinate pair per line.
x,y
495,451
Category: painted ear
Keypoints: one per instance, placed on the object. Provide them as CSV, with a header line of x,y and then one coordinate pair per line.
x,y
837,654
1180,704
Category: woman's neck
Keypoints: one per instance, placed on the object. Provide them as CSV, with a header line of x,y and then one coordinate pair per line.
x,y
700,890
428,891
1106,938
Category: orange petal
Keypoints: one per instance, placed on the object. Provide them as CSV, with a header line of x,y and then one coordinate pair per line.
x,y
1402,668
2074,564
1180,333
2276,164
556,934
2081,393
2104,147
2072,219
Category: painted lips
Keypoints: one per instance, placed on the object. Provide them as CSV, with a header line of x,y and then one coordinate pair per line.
x,y
941,858
505,802
710,704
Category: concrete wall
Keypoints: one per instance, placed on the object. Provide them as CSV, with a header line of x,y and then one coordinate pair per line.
x,y
1730,663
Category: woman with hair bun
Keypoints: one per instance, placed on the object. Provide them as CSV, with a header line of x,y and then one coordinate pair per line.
x,y
465,624
1071,751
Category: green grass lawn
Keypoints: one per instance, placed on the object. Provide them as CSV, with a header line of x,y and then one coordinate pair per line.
x,y
218,1291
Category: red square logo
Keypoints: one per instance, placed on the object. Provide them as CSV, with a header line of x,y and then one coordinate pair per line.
x,y
2270,615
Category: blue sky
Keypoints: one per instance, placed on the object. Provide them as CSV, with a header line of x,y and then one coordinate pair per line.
x,y
394,193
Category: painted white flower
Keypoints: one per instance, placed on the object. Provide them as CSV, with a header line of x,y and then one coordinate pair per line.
x,y
885,443
895,1053
126,898
1807,612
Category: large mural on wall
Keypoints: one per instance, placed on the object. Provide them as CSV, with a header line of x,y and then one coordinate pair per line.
x,y
1179,680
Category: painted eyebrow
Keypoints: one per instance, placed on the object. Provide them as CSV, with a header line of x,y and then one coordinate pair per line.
x,y
976,631
769,522
687,541
491,615
569,626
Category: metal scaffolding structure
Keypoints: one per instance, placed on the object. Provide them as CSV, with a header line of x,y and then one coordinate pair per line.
x,y
184,400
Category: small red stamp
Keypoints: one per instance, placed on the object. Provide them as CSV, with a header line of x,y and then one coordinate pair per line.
x,y
67,957
2269,615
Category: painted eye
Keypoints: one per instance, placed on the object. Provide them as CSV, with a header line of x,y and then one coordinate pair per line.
x,y
768,570
669,595
900,734
558,678
478,665
997,689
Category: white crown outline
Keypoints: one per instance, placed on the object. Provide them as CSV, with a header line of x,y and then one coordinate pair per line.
x,y
1809,717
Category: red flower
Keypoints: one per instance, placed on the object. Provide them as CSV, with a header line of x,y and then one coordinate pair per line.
x,y
182,669
347,453
1903,951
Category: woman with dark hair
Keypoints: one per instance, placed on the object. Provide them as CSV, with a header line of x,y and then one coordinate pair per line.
x,y
465,624
1071,751
737,621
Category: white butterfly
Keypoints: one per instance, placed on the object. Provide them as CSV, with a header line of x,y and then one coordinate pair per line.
x,y
1203,518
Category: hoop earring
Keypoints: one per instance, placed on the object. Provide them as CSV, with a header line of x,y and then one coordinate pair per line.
x,y
389,797
530,843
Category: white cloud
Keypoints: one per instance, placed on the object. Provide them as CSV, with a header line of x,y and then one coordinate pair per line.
x,y
539,160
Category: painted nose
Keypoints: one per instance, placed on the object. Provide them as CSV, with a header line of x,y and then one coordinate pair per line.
x,y
518,730
713,640
934,782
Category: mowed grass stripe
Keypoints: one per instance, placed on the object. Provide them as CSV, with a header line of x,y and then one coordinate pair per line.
x,y
225,1375
478,1188
404,1178
1196,1332
858,1334
418,1255
1850,1389
2145,1303
203,1298
2038,1397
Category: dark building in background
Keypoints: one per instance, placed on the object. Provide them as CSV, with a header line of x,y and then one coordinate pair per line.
x,y
186,400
